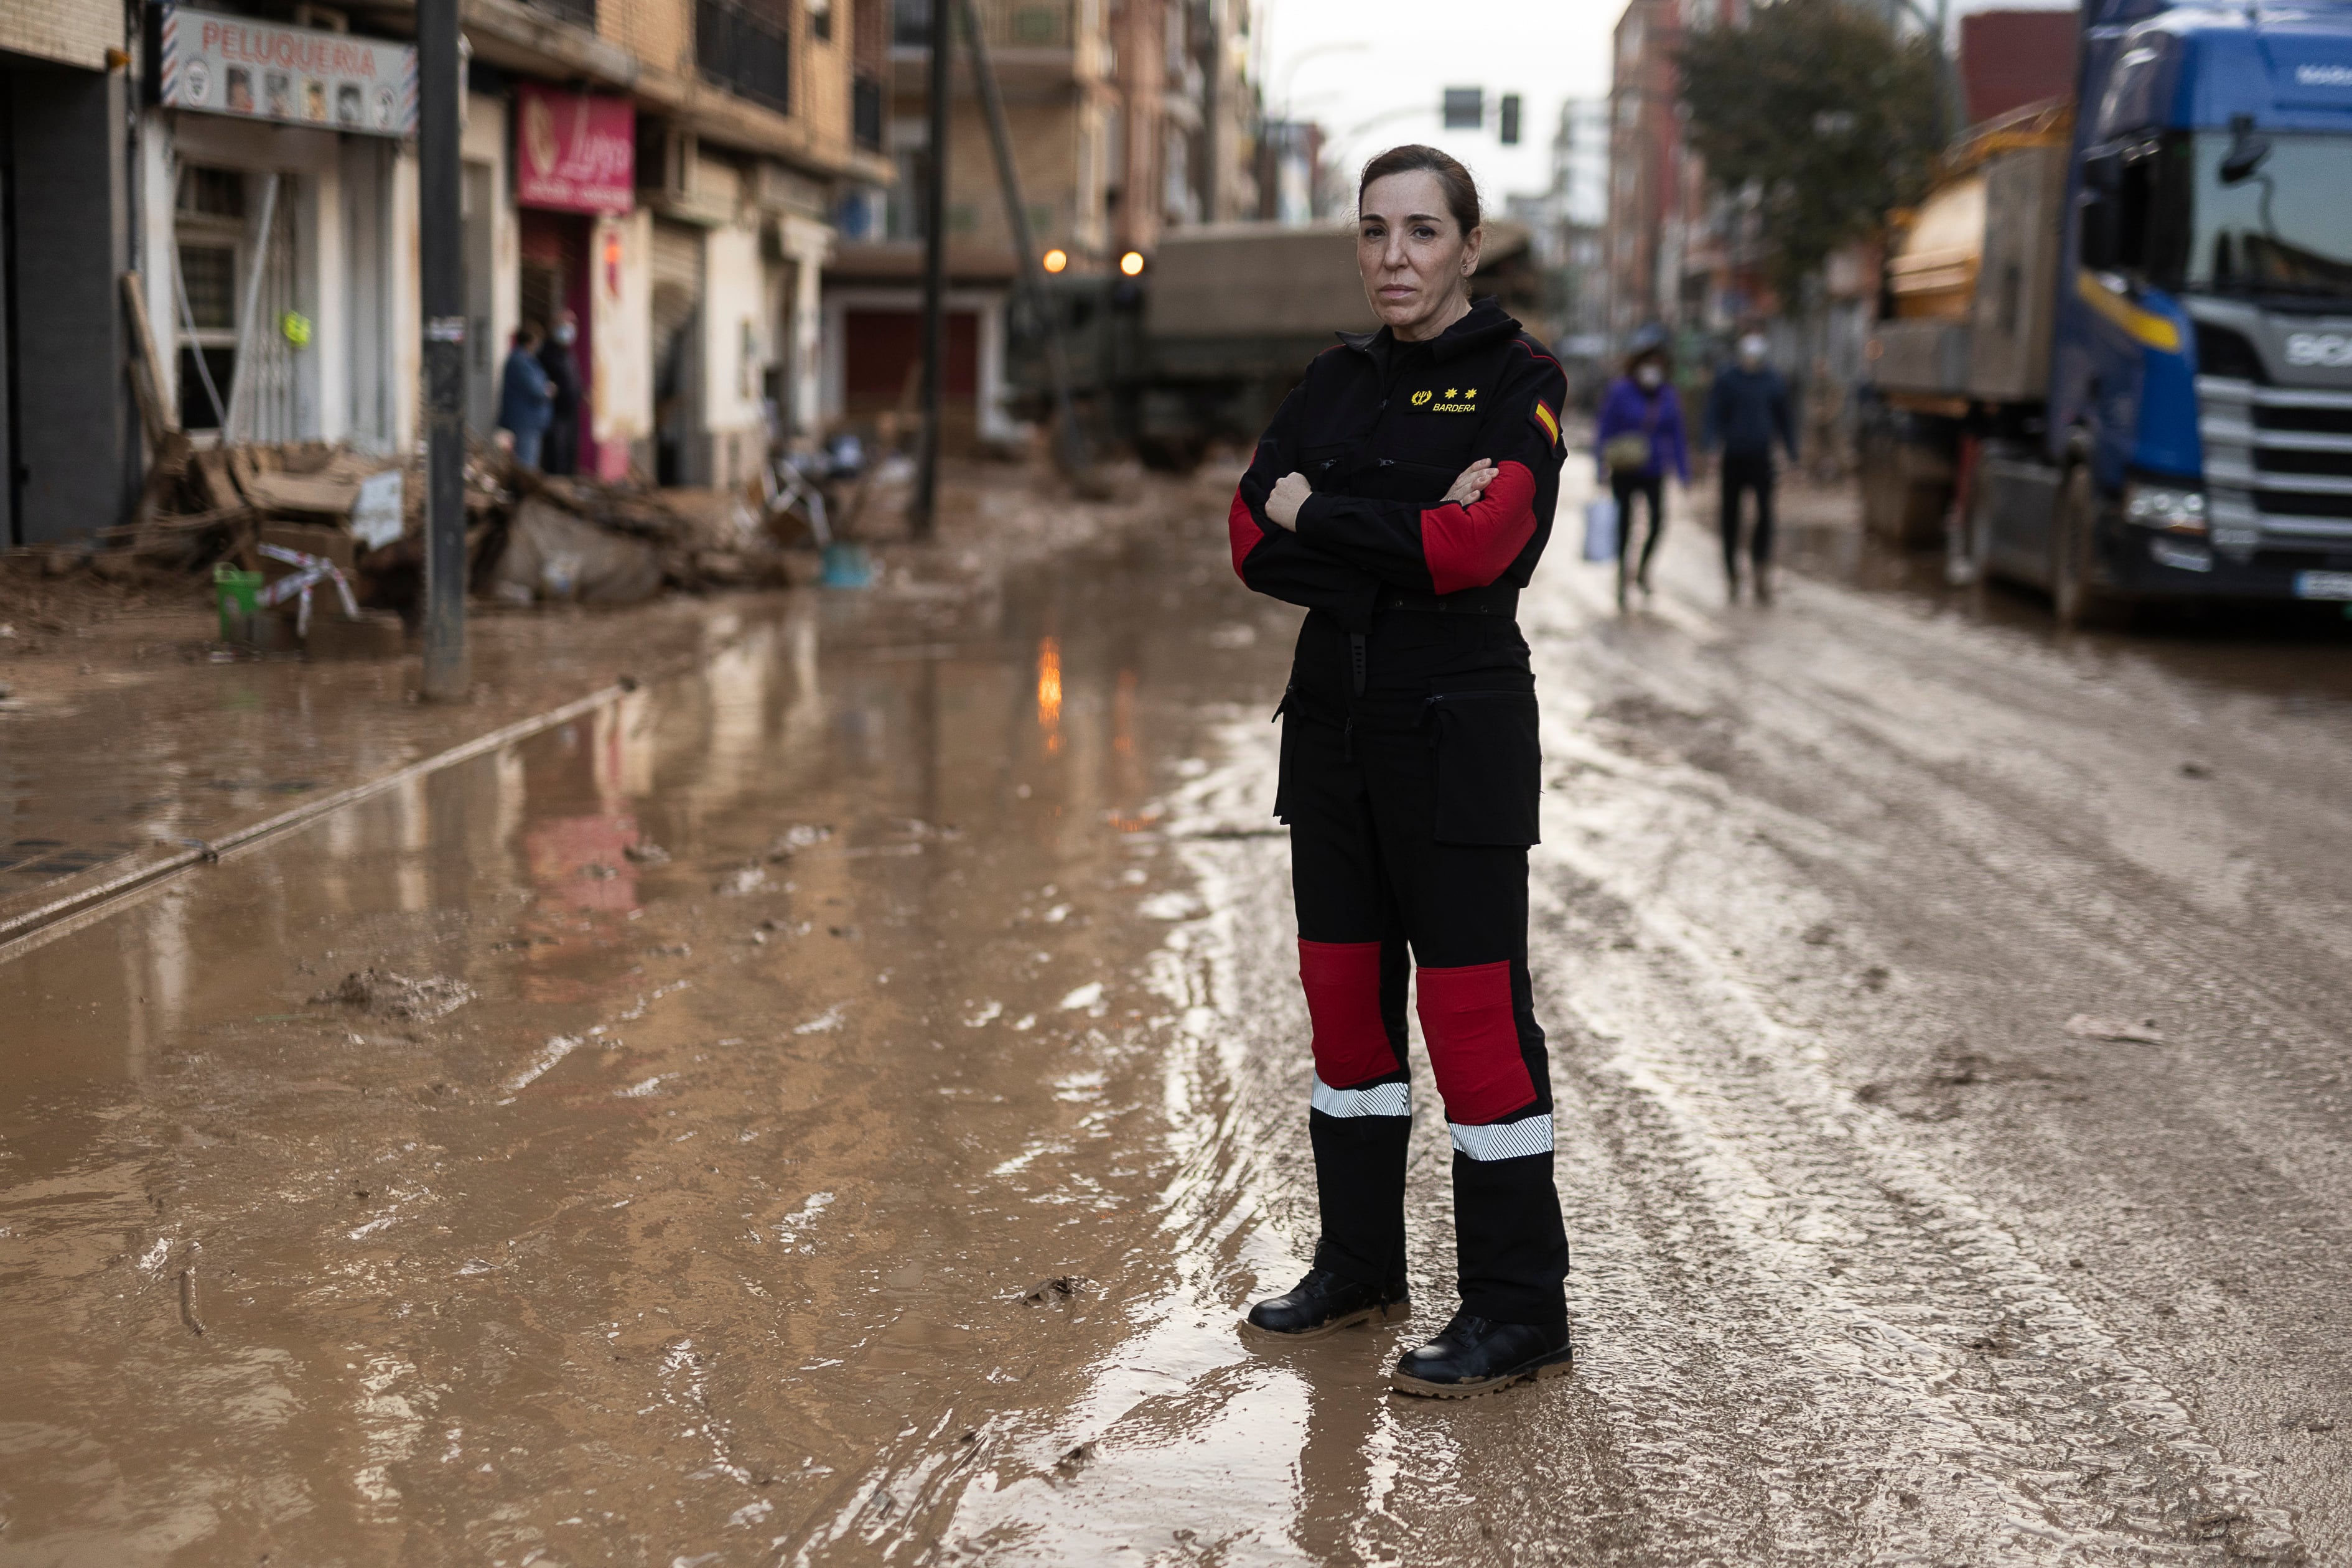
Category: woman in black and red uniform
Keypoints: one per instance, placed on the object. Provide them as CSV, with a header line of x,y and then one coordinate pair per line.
x,y
1402,497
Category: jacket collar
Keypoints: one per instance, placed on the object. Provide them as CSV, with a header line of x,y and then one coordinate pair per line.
x,y
1485,323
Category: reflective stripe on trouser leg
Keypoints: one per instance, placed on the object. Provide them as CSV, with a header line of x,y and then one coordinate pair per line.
x,y
1468,1016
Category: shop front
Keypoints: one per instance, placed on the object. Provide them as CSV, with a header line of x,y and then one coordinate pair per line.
x,y
581,246
279,212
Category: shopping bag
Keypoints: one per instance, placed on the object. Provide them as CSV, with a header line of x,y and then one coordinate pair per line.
x,y
1600,529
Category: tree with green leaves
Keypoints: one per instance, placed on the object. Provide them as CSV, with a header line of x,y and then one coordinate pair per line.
x,y
1823,112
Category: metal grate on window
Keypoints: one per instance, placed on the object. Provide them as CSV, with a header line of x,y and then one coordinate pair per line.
x,y
866,112
746,53
579,13
209,273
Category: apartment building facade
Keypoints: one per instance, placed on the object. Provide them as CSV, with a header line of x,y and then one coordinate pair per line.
x,y
1676,254
666,170
1126,117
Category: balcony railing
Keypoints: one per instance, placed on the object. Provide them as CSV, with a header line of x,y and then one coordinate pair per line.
x,y
1006,23
866,112
747,53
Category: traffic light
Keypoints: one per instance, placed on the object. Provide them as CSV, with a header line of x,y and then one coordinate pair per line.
x,y
1131,264
1510,119
1465,109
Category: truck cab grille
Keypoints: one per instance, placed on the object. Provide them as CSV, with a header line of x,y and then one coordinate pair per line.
x,y
2278,465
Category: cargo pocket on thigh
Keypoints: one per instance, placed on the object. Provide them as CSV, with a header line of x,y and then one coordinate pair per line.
x,y
1489,766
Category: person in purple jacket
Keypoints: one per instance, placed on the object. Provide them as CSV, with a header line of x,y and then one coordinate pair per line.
x,y
1639,434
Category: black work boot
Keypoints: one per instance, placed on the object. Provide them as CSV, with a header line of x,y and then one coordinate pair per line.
x,y
1476,1356
1323,1304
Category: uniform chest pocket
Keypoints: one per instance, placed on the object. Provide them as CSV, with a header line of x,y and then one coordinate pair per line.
x,y
1489,766
1323,463
1401,479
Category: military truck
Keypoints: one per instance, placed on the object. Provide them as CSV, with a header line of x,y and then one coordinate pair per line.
x,y
1205,342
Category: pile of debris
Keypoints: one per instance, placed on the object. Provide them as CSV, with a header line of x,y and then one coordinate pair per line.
x,y
282,510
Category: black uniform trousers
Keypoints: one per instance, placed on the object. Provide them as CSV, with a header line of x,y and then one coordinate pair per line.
x,y
1410,806
1747,471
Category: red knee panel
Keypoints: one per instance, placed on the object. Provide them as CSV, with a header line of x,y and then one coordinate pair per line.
x,y
1474,1041
1343,980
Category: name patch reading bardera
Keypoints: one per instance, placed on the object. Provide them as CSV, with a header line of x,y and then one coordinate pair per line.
x,y
1453,400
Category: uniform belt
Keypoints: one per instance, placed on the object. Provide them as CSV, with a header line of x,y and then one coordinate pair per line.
x,y
1498,599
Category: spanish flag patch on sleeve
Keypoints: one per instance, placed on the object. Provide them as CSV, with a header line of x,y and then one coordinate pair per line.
x,y
1547,420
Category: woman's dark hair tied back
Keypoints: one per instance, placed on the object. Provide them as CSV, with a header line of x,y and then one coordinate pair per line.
x,y
1461,190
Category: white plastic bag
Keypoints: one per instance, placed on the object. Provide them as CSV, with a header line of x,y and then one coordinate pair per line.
x,y
1600,529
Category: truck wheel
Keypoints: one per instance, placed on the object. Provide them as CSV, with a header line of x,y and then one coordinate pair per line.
x,y
2079,604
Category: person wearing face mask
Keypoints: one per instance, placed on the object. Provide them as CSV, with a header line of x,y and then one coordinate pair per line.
x,y
1746,409
1402,496
1637,438
556,356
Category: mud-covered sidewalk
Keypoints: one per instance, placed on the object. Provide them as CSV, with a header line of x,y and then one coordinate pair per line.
x,y
833,1103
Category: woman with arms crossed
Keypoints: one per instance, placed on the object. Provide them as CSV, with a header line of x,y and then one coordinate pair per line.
x,y
1402,497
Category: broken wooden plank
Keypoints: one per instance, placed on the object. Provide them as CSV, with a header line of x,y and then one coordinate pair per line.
x,y
146,366
302,493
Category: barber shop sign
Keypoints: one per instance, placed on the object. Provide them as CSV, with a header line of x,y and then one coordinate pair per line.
x,y
294,76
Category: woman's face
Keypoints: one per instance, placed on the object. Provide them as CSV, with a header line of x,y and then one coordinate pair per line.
x,y
1413,256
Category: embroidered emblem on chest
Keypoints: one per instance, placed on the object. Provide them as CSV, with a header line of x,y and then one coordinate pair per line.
x,y
1448,400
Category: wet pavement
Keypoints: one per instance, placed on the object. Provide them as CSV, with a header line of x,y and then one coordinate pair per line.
x,y
831,1107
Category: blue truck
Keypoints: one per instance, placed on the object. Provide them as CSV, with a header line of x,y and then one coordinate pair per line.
x,y
2114,350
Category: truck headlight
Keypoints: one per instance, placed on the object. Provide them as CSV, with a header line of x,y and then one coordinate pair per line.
x,y
2168,507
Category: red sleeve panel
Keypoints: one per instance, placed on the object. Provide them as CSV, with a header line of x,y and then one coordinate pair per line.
x,y
1240,524
1470,546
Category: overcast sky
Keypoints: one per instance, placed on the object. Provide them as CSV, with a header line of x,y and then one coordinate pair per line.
x,y
1348,63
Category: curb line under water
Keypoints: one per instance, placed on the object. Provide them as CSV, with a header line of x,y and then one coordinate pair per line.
x,y
35,927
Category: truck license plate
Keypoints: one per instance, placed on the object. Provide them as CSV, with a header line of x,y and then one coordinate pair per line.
x,y
2323,584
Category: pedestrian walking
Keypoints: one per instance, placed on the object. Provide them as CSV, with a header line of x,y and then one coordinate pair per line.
x,y
526,401
1402,496
1637,438
557,358
1746,407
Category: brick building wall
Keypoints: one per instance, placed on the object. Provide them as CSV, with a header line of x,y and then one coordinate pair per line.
x,y
70,32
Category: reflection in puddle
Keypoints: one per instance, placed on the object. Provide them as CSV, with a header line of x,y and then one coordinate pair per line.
x,y
727,1113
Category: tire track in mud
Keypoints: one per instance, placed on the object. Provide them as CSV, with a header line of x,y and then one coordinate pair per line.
x,y
1856,1250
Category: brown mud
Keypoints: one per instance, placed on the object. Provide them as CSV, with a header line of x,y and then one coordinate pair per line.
x,y
832,1106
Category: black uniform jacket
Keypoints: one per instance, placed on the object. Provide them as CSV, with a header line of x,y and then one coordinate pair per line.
x,y
1381,428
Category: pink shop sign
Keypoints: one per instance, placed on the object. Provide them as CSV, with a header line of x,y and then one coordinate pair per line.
x,y
574,151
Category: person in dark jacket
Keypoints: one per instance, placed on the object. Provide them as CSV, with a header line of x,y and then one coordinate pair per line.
x,y
1746,409
1638,437
525,399
557,358
1402,496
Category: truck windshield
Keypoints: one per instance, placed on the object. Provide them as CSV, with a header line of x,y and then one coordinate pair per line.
x,y
2286,229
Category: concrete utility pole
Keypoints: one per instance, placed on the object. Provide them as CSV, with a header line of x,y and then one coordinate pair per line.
x,y
1075,459
921,510
440,241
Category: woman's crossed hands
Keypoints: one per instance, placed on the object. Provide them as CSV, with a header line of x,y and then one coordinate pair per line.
x,y
1291,491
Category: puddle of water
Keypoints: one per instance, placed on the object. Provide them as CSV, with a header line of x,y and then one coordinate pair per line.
x,y
683,1221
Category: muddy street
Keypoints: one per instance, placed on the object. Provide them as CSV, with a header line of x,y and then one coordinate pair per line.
x,y
833,1106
